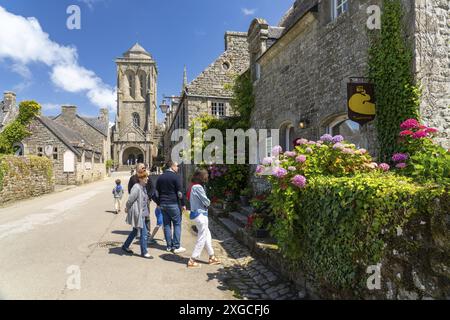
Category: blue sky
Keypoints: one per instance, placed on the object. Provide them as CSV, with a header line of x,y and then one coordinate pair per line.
x,y
77,67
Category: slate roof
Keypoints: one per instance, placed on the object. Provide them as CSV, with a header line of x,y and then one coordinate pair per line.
x,y
296,12
97,124
137,51
72,139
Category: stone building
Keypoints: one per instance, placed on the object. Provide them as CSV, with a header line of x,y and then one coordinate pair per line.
x,y
94,129
8,109
76,160
301,68
133,135
207,94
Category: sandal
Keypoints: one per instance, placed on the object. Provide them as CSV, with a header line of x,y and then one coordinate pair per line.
x,y
213,261
192,264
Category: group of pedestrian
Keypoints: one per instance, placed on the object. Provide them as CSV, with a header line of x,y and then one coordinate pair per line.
x,y
170,201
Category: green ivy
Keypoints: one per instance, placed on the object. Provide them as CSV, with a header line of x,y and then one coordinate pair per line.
x,y
17,130
391,70
243,101
338,226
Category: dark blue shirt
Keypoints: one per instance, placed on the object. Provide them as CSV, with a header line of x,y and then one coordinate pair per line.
x,y
169,190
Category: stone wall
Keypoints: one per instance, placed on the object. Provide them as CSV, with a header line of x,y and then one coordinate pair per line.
x,y
235,60
24,177
304,75
432,47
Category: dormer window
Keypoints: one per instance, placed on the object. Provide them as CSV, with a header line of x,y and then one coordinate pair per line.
x,y
339,7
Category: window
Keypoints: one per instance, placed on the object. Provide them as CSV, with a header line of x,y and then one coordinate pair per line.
x,y
136,120
226,66
40,151
130,77
339,7
55,153
142,84
218,109
287,137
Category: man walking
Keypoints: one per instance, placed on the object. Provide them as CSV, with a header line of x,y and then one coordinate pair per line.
x,y
170,198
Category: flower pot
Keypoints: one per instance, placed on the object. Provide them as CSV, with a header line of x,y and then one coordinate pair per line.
x,y
245,201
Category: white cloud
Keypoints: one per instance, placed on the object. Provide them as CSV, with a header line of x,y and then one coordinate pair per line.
x,y
50,106
23,41
248,12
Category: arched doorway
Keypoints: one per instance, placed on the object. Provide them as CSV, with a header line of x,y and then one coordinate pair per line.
x,y
132,156
287,136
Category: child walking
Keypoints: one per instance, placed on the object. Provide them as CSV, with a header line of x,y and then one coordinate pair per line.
x,y
199,214
159,224
118,194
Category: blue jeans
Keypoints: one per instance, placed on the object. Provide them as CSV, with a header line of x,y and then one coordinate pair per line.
x,y
172,216
142,239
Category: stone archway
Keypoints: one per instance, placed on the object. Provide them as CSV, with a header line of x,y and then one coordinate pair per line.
x,y
132,156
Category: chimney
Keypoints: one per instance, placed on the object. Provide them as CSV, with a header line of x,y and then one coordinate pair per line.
x,y
104,115
69,112
235,39
9,99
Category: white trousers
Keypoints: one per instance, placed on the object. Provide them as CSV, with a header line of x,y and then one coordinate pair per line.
x,y
203,238
118,204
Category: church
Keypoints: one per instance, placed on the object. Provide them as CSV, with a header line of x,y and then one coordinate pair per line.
x,y
133,134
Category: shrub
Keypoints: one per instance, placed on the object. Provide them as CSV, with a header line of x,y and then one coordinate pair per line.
x,y
338,226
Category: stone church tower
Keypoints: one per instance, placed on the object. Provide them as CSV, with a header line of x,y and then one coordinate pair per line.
x,y
134,131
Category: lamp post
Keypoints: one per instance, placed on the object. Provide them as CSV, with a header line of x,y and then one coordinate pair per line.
x,y
164,107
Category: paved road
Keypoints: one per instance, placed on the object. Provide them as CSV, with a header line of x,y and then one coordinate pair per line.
x,y
42,238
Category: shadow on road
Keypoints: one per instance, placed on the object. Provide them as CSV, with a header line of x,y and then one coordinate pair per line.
x,y
124,233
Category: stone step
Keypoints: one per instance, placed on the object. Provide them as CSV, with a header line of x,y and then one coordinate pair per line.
x,y
239,218
229,225
247,210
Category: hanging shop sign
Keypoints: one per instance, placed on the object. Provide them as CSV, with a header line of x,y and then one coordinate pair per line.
x,y
361,101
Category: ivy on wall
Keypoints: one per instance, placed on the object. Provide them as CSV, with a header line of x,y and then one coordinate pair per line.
x,y
391,70
17,130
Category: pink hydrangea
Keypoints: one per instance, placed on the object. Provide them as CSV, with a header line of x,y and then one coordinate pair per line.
x,y
326,138
431,130
348,151
410,124
277,150
338,145
400,157
309,150
260,169
362,151
292,168
267,161
301,159
290,154
279,172
420,134
300,142
401,165
337,139
299,181
384,166
406,133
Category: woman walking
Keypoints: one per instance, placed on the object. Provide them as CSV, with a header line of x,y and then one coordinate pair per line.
x,y
137,210
199,214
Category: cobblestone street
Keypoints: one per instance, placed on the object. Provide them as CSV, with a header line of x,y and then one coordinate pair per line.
x,y
245,275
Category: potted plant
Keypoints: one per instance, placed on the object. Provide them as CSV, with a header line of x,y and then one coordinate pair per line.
x,y
245,196
256,224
